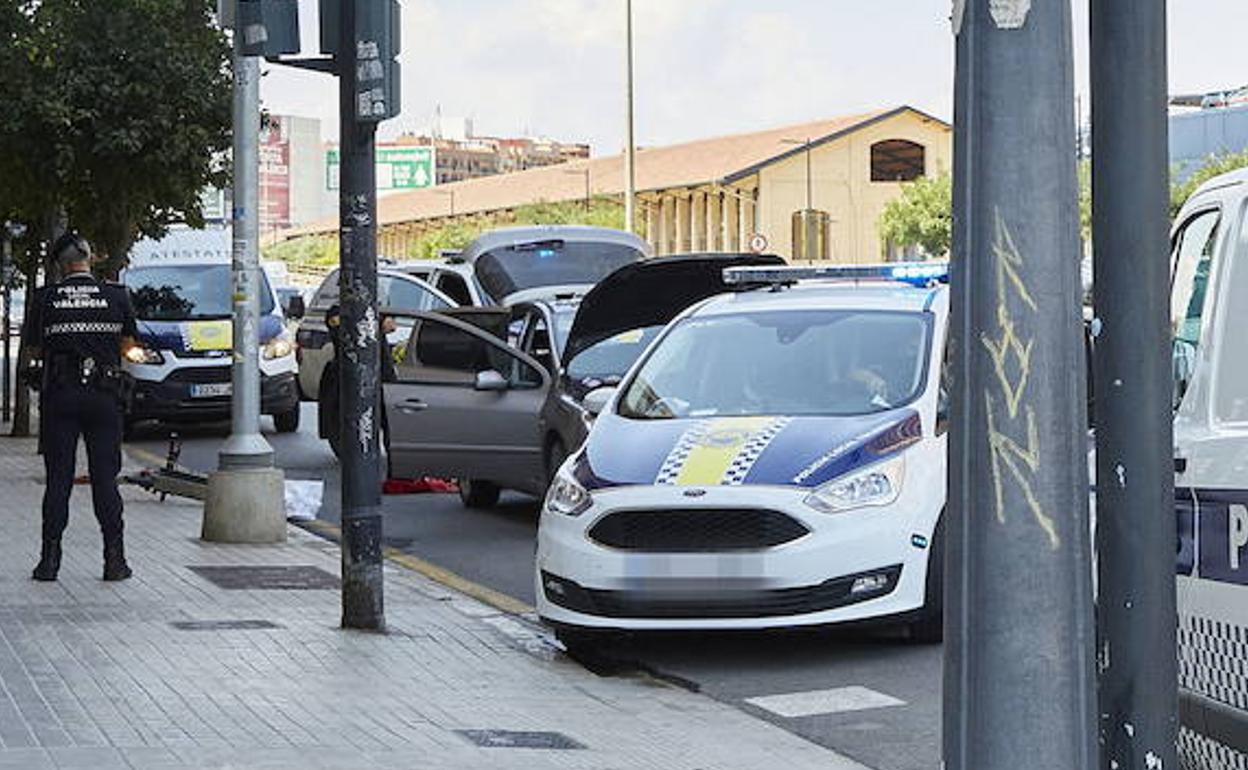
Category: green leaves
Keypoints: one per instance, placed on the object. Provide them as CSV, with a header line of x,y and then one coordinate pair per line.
x,y
117,114
1214,165
921,216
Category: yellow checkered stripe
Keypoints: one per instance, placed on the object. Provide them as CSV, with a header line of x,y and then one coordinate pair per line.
x,y
718,451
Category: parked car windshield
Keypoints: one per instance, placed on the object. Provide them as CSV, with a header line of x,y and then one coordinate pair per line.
x,y
610,359
793,362
187,292
515,268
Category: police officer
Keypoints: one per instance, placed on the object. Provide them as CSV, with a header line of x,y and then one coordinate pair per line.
x,y
80,328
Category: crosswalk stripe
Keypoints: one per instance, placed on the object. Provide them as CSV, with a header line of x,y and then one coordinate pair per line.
x,y
816,702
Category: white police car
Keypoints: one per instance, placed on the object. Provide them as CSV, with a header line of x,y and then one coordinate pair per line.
x,y
776,458
183,367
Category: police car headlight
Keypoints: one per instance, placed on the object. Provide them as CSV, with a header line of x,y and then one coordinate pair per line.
x,y
877,485
278,347
567,496
141,355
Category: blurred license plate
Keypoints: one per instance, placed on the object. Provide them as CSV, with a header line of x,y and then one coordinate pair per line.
x,y
211,390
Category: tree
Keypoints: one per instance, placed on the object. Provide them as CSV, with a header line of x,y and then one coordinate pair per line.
x,y
123,115
1214,165
921,216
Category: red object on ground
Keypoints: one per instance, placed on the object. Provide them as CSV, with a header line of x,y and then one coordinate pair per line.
x,y
418,486
82,479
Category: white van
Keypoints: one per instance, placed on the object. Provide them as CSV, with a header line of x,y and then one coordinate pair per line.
x,y
1209,316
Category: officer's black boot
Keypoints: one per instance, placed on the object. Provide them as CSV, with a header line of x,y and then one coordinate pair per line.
x,y
49,562
115,567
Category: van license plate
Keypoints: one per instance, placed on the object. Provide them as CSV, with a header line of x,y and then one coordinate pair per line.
x,y
211,390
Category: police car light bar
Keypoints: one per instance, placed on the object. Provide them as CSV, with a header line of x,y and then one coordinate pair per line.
x,y
914,273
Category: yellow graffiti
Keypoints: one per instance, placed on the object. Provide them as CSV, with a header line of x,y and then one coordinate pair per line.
x,y
1011,353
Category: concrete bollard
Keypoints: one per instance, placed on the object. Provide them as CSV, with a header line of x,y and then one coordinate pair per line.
x,y
245,505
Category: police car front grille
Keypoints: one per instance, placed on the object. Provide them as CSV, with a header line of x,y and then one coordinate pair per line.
x,y
696,531
201,375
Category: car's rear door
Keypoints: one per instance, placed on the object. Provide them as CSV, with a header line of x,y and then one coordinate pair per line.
x,y
442,424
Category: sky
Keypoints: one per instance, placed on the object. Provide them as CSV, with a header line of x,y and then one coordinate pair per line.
x,y
704,68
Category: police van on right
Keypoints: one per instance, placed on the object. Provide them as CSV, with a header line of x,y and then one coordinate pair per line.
x,y
1209,317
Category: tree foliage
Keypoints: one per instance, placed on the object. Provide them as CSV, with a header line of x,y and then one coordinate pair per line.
x,y
117,115
322,250
921,216
1214,165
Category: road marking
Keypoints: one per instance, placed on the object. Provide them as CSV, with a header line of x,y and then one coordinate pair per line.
x,y
452,580
817,702
144,456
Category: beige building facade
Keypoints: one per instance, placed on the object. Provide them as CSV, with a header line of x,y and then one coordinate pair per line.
x,y
735,193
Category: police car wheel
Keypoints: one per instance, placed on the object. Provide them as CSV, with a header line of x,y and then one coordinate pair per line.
x,y
287,422
474,493
929,628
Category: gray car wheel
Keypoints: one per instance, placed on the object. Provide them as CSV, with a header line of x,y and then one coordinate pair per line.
x,y
474,493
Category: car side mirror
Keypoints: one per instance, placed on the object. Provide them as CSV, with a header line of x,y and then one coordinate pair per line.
x,y
491,381
295,309
597,399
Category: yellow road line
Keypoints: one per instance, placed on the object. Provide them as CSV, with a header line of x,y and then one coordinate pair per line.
x,y
441,575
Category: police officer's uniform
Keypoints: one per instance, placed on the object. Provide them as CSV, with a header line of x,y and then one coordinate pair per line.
x,y
79,325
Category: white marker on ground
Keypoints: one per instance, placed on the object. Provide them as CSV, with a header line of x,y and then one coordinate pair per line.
x,y
816,702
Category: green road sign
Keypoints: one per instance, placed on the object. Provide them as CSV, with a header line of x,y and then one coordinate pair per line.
x,y
398,168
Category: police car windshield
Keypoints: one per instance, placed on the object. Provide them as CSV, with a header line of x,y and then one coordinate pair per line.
x,y
187,292
794,362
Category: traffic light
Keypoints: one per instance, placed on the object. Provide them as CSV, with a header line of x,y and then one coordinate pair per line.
x,y
378,36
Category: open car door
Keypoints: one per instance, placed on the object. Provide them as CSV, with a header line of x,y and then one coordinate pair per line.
x,y
464,404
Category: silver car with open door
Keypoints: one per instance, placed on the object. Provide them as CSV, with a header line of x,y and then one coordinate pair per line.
x,y
465,404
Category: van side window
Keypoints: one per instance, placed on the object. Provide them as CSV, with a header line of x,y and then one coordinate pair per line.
x,y
1231,383
1192,264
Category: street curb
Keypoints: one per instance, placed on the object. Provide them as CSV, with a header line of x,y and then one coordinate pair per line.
x,y
440,575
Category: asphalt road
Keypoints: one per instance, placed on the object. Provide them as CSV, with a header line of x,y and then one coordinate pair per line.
x,y
495,549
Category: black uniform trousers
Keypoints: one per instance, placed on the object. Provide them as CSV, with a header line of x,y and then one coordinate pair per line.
x,y
70,411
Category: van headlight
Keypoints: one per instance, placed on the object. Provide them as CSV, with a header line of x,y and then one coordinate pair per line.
x,y
278,347
567,496
139,354
875,485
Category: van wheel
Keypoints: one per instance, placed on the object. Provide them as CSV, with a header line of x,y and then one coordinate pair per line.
x,y
474,493
287,422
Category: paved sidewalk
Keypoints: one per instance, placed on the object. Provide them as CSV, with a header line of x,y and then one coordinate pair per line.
x,y
97,676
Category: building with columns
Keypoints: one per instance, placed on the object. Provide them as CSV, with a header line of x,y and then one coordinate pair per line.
x,y
715,194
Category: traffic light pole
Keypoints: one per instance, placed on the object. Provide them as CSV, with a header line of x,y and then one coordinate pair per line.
x,y
359,350
1019,680
1134,462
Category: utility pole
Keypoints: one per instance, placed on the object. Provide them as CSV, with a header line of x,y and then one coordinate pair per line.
x,y
1019,680
630,152
1134,463
246,497
360,40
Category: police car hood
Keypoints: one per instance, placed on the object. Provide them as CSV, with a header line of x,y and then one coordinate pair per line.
x,y
651,293
732,451
203,336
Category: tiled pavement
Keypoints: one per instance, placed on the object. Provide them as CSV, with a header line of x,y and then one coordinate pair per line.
x,y
96,676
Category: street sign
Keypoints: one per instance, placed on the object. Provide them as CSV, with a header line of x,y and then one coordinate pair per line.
x,y
398,168
758,243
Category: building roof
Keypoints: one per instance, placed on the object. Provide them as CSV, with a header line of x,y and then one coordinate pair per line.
x,y
705,161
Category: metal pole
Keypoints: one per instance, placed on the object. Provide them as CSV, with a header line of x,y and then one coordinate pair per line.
x,y
245,447
1019,680
359,365
1134,463
630,153
809,196
6,269
588,192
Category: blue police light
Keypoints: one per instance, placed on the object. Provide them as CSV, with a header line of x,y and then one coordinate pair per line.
x,y
914,273
545,253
